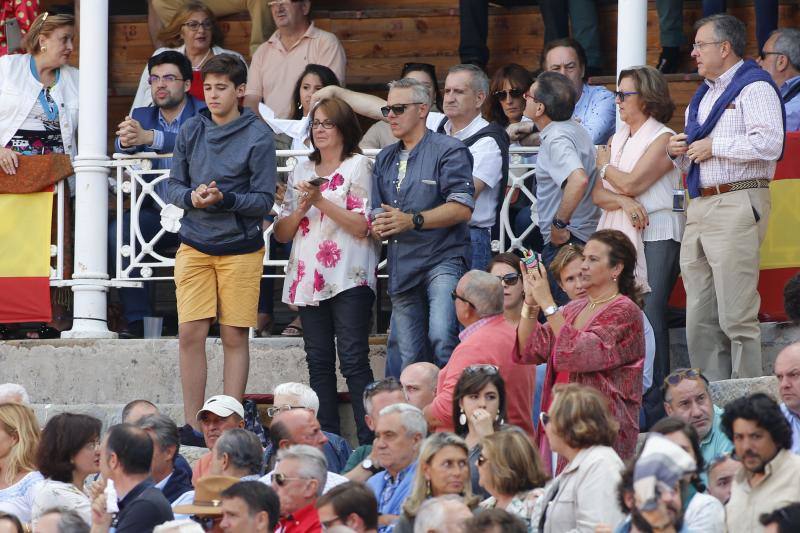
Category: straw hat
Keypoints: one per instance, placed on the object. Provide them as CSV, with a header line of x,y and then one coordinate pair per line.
x,y
207,496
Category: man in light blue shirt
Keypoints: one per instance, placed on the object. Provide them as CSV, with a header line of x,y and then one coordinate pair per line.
x,y
780,57
787,370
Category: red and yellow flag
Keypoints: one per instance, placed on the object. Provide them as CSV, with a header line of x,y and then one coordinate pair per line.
x,y
25,257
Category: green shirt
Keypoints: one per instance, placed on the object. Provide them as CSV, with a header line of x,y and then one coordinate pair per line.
x,y
357,457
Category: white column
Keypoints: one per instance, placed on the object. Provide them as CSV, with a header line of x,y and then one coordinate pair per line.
x,y
91,196
631,34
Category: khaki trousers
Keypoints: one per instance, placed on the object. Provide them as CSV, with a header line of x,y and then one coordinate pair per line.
x,y
260,16
720,267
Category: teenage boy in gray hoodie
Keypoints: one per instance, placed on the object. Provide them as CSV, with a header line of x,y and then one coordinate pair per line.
x,y
223,177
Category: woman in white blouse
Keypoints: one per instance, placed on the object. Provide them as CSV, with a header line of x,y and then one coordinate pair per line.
x,y
640,186
19,437
331,274
69,452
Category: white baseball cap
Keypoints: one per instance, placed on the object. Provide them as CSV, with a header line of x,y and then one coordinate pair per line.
x,y
222,405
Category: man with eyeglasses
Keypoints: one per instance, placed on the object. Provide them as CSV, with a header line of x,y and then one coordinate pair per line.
x,y
278,63
299,479
152,129
686,396
769,476
780,57
487,342
787,370
733,137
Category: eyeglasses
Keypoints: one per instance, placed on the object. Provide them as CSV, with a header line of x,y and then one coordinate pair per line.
x,y
193,25
272,411
486,369
92,445
167,78
481,460
700,46
509,279
622,94
457,296
513,93
397,109
763,55
327,124
282,479
544,418
686,373
206,522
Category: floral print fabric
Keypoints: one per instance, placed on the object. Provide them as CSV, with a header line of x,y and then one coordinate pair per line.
x,y
325,259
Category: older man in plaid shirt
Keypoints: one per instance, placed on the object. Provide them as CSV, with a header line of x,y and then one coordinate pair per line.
x,y
734,136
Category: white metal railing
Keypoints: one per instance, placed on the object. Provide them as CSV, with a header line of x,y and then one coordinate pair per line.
x,y
137,181
57,248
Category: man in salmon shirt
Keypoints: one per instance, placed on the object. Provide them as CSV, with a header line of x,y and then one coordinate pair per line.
x,y
487,339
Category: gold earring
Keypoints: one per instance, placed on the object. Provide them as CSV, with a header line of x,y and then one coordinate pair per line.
x,y
44,49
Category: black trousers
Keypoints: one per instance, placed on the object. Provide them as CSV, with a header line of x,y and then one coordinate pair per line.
x,y
339,324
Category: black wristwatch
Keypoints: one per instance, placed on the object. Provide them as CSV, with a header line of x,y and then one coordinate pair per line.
x,y
418,221
560,224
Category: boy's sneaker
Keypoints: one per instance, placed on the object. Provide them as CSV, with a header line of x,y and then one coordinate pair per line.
x,y
191,437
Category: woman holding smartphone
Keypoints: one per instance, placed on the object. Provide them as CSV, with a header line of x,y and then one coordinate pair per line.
x,y
331,275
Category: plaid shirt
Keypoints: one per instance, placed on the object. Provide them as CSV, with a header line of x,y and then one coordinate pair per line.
x,y
748,138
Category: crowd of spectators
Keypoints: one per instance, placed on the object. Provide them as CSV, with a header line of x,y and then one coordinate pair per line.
x,y
517,390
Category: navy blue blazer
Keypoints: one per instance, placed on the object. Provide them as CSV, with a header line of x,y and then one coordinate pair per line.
x,y
148,118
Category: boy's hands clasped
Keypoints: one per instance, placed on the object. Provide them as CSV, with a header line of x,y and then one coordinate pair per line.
x,y
206,195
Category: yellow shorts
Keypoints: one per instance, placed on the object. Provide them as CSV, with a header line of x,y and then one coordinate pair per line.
x,y
206,284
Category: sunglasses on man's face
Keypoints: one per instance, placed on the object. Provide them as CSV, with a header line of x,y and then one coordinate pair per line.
x,y
397,109
282,479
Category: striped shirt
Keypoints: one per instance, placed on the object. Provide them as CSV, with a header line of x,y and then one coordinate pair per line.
x,y
748,138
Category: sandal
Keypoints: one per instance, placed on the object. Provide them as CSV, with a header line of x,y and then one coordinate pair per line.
x,y
294,329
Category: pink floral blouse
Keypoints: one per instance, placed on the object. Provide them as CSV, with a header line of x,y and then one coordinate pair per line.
x,y
325,259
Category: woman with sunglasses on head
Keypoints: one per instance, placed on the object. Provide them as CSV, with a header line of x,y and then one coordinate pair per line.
x,y
479,409
19,479
641,194
595,340
68,453
443,468
511,471
380,134
193,32
331,271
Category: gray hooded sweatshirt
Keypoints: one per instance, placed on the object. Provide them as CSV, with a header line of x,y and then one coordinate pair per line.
x,y
240,157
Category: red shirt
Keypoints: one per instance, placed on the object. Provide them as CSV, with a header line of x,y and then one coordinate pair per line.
x,y
305,520
490,343
196,88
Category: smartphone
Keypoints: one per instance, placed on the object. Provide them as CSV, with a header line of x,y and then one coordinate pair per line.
x,y
13,35
678,200
531,259
316,182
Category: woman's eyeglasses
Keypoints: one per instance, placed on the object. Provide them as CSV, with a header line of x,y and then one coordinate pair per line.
x,y
510,279
282,479
397,109
194,25
513,93
623,94
327,124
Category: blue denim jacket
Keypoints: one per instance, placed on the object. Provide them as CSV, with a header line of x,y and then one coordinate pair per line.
x,y
439,170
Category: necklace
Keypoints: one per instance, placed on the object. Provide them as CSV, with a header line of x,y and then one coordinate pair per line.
x,y
200,65
593,304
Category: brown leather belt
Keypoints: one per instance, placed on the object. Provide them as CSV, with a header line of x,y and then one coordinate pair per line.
x,y
735,186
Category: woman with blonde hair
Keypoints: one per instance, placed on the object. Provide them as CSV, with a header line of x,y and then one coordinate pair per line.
x,y
511,471
193,32
19,438
442,468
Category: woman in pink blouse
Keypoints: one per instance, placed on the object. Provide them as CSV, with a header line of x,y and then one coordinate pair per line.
x,y
331,273
595,340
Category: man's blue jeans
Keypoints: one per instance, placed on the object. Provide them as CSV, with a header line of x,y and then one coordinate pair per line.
x,y
424,326
481,247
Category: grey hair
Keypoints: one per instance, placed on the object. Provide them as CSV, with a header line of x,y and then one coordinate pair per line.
x,y
420,92
305,394
165,430
312,463
243,449
787,43
727,28
179,526
411,418
557,93
69,521
10,391
484,291
479,81
433,513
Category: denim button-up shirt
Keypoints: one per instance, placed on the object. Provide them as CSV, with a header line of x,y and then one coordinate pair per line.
x,y
439,170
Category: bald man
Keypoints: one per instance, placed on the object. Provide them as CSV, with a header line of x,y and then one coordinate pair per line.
x,y
419,383
787,370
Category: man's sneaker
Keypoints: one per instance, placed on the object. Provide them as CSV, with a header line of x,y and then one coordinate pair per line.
x,y
191,437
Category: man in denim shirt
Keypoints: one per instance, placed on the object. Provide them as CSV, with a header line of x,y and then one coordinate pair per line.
x,y
423,184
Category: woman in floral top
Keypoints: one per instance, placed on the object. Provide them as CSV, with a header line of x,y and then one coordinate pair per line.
x,y
511,471
331,273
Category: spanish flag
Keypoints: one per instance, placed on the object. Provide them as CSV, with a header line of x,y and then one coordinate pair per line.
x,y
25,257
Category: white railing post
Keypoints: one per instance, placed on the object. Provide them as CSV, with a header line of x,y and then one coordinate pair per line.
x,y
631,35
91,198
